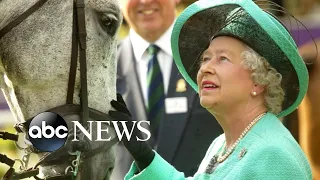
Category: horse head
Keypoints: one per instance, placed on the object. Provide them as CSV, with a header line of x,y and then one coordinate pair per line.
x,y
35,58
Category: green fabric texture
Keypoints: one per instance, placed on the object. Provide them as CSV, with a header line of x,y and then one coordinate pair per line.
x,y
271,153
199,23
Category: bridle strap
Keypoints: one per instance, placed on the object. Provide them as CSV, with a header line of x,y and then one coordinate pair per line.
x,y
83,61
21,18
74,58
79,41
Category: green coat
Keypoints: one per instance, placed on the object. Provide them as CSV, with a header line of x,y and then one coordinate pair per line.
x,y
271,153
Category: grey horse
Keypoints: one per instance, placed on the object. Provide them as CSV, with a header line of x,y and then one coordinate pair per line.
x,y
34,67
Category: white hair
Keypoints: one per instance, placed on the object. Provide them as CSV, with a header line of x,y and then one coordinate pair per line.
x,y
264,74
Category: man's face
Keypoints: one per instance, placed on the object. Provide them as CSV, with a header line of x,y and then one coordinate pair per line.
x,y
149,18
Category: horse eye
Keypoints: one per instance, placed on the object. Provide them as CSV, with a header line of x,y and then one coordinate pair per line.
x,y
110,23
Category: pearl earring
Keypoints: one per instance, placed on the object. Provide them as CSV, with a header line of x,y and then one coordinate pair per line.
x,y
254,93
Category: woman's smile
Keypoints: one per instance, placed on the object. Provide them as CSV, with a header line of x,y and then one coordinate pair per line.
x,y
208,86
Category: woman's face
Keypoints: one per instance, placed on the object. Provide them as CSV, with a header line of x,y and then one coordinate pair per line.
x,y
222,80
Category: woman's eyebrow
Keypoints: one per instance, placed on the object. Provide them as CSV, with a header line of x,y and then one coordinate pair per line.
x,y
205,52
218,51
226,51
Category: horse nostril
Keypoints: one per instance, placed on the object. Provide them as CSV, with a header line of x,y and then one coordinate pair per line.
x,y
108,174
110,169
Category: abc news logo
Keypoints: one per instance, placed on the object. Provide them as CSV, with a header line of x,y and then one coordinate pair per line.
x,y
48,131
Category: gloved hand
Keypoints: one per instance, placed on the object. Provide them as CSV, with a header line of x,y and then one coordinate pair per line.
x,y
140,151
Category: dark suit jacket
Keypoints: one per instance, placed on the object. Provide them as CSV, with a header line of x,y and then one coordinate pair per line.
x,y
183,138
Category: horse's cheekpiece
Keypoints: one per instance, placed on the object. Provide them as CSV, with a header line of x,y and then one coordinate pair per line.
x,y
81,149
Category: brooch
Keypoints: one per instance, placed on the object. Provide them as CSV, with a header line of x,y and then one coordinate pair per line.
x,y
242,153
213,164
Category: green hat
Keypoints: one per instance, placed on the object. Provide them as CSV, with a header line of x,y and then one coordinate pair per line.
x,y
244,20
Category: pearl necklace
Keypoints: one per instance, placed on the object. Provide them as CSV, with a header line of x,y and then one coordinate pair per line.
x,y
230,150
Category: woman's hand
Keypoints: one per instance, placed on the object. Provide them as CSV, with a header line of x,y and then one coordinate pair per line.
x,y
140,151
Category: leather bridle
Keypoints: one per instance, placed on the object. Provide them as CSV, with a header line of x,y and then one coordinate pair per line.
x,y
78,45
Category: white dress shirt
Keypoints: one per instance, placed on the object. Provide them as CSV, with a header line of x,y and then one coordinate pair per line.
x,y
142,57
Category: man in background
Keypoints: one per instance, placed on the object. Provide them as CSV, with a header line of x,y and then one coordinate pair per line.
x,y
154,90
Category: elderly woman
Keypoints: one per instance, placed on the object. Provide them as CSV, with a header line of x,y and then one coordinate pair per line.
x,y
247,71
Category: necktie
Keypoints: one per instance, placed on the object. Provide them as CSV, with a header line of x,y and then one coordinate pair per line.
x,y
155,91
